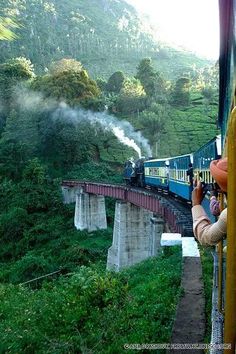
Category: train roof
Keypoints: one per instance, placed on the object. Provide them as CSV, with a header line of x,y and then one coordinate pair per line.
x,y
156,160
176,157
217,140
167,159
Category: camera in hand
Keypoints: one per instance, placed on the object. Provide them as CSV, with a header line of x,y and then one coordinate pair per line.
x,y
210,187
207,187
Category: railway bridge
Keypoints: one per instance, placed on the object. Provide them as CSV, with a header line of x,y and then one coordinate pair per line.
x,y
141,216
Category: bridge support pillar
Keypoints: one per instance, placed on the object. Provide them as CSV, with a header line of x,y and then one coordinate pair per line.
x,y
131,236
90,212
69,194
157,228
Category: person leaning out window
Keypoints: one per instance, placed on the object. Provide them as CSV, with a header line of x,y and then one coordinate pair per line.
x,y
205,232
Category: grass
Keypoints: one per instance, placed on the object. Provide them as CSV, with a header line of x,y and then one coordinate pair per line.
x,y
93,310
207,267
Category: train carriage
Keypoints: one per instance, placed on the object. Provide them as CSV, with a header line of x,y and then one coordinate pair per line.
x,y
179,181
203,157
156,173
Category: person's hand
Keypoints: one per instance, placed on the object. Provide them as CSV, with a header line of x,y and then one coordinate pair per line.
x,y
197,194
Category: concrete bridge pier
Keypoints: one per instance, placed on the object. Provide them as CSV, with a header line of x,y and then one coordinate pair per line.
x,y
69,194
90,211
134,237
157,228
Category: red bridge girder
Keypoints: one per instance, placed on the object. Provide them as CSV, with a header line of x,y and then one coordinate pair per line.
x,y
139,197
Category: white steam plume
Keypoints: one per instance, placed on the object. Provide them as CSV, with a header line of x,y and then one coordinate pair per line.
x,y
123,130
119,133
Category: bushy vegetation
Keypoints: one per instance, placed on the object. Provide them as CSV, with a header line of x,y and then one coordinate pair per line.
x,y
37,235
91,311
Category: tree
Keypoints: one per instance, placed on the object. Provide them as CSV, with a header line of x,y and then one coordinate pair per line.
x,y
153,83
13,157
115,82
132,96
180,93
65,65
17,69
22,127
154,124
69,83
12,73
34,172
102,84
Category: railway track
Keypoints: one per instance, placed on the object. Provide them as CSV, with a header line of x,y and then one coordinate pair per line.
x,y
180,208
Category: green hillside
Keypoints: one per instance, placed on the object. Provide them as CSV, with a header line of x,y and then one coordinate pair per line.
x,y
105,35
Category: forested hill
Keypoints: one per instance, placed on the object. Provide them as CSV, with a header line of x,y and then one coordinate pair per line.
x,y
105,35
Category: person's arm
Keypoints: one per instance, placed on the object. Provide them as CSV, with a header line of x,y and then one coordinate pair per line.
x,y
205,232
214,206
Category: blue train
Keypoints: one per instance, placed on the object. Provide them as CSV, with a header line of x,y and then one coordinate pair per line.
x,y
175,174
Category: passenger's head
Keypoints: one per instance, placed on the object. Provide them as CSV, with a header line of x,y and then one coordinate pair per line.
x,y
219,171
